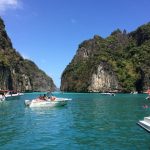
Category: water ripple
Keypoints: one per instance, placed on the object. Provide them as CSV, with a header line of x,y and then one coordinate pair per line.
x,y
89,121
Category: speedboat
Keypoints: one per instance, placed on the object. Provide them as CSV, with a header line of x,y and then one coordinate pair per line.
x,y
145,123
49,102
134,92
109,94
12,94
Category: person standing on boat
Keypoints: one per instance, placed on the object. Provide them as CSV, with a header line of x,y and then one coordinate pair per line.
x,y
45,97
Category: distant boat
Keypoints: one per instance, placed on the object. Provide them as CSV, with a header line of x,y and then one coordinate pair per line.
x,y
2,98
134,92
12,94
9,93
145,123
109,94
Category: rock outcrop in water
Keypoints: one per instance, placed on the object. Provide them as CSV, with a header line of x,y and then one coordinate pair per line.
x,y
120,62
17,73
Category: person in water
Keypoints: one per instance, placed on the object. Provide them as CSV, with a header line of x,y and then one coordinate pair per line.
x,y
145,106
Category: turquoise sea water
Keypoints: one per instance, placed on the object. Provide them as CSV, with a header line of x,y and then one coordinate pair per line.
x,y
89,121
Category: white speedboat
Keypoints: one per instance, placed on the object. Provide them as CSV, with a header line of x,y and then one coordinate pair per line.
x,y
145,123
109,94
50,102
134,92
10,94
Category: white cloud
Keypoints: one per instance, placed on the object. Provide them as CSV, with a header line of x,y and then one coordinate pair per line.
x,y
6,4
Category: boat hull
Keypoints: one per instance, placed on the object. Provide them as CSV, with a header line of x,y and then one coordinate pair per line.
x,y
145,123
47,103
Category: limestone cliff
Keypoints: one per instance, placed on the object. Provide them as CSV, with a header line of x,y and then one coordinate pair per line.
x,y
17,73
118,63
104,79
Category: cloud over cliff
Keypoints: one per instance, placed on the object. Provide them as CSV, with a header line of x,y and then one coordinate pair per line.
x,y
7,4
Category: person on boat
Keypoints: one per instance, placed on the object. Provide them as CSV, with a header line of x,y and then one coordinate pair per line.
x,y
40,97
53,98
44,97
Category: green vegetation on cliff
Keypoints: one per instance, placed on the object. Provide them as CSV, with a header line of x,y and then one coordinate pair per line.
x,y
127,54
17,73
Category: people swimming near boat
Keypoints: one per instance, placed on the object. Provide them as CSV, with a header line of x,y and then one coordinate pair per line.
x,y
145,106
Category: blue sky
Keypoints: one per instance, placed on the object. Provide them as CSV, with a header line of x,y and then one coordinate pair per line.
x,y
49,32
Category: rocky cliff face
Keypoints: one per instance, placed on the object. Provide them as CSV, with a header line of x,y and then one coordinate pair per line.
x,y
17,73
104,79
118,63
